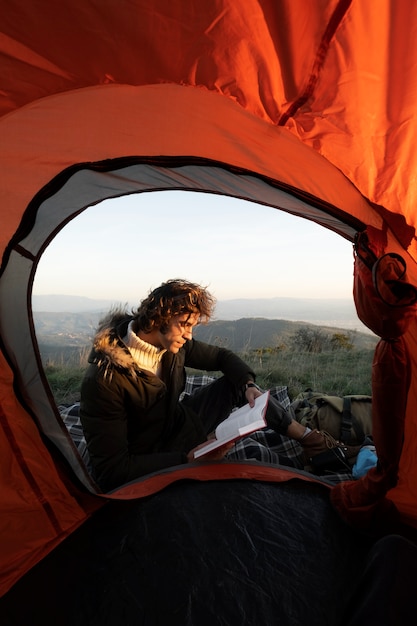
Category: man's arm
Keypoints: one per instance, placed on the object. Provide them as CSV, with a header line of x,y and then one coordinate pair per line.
x,y
200,355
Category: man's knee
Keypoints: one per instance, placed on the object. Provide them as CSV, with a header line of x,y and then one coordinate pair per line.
x,y
277,417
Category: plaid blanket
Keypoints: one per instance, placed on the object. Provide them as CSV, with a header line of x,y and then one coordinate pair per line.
x,y
265,446
71,417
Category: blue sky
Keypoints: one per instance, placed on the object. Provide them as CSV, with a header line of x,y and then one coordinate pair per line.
x,y
121,248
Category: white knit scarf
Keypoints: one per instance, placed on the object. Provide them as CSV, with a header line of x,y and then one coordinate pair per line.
x,y
147,356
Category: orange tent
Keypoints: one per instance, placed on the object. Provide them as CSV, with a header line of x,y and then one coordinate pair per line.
x,y
308,107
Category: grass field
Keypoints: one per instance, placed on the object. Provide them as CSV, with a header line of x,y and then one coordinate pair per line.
x,y
336,372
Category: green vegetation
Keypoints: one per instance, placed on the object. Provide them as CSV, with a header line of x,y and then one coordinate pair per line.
x,y
65,382
314,359
336,372
64,368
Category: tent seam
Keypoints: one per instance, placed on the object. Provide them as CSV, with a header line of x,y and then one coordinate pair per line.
x,y
321,55
28,474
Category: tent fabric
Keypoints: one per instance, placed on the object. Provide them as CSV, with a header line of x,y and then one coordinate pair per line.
x,y
306,107
331,72
211,555
207,554
38,511
387,302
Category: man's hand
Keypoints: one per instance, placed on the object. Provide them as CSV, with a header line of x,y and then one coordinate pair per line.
x,y
251,393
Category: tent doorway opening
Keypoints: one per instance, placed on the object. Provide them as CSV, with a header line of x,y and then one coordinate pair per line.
x,y
259,262
119,232
118,248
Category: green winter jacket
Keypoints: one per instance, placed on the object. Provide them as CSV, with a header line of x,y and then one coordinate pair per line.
x,y
133,421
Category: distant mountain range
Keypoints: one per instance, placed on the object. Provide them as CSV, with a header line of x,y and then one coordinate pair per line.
x,y
323,312
269,327
69,304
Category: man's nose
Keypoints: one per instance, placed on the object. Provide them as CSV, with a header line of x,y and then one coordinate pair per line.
x,y
188,333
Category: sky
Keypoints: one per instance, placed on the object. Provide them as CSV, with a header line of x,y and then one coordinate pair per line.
x,y
121,249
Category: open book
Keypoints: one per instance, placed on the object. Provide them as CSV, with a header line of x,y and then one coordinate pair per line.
x,y
241,422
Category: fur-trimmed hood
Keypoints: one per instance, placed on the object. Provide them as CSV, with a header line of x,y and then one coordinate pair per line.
x,y
109,351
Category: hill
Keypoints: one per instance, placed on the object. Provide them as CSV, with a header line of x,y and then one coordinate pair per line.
x,y
77,330
323,312
340,313
66,329
248,334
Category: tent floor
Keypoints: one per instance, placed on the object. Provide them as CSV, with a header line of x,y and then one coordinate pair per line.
x,y
235,552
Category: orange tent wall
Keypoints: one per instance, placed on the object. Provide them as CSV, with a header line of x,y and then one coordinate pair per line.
x,y
313,95
37,510
338,73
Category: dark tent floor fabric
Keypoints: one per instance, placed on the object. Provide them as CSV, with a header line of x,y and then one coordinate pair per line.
x,y
232,553
386,591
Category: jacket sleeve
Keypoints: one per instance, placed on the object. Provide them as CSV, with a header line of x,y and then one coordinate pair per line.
x,y
203,356
104,420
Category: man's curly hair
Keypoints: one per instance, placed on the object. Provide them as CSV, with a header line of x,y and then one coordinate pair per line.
x,y
174,297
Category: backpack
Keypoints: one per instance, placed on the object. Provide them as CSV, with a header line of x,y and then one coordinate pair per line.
x,y
347,419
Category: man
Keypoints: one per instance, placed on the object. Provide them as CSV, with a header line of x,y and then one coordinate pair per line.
x,y
133,420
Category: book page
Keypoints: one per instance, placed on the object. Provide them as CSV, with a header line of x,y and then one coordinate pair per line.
x,y
238,422
241,422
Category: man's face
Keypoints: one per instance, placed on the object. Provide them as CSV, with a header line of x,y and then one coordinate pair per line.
x,y
180,330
